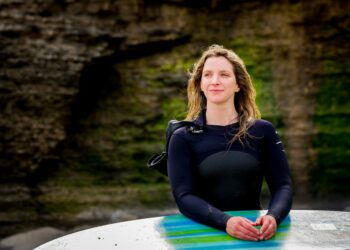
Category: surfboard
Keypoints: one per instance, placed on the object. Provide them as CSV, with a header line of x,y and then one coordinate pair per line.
x,y
302,229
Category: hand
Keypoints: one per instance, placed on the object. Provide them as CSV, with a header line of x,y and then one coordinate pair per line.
x,y
242,228
268,226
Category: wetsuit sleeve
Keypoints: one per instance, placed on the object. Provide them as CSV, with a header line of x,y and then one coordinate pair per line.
x,y
277,174
181,177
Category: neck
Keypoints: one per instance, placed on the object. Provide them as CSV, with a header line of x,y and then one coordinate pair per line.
x,y
217,115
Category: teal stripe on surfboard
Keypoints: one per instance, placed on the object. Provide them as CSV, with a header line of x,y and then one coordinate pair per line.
x,y
184,233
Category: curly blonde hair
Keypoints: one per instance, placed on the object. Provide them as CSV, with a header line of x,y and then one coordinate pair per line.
x,y
244,101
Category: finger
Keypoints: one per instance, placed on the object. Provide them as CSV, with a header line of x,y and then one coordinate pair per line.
x,y
269,233
264,226
247,220
268,237
258,221
252,223
249,233
272,220
248,226
241,233
243,236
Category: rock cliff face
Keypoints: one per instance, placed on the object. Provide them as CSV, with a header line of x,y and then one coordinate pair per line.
x,y
86,89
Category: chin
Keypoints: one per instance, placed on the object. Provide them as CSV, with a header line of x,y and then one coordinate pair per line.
x,y
217,102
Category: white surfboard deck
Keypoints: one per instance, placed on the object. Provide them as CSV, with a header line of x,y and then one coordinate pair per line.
x,y
302,229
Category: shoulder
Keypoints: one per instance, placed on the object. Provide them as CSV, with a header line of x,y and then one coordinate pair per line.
x,y
187,134
181,134
263,127
262,124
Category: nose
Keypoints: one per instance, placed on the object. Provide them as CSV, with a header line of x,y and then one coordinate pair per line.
x,y
215,79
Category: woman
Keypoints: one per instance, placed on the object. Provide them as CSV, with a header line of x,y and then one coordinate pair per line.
x,y
222,168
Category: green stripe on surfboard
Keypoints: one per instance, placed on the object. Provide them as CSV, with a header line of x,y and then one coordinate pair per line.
x,y
184,233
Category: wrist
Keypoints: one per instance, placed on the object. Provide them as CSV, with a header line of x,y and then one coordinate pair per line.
x,y
228,220
274,216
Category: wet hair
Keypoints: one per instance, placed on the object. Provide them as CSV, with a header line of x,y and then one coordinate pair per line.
x,y
244,100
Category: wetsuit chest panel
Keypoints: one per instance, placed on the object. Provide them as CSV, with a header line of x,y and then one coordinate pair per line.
x,y
233,177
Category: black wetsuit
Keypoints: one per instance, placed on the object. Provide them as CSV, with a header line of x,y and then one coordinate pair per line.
x,y
209,176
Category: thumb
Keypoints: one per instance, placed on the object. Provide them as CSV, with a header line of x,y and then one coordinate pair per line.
x,y
258,221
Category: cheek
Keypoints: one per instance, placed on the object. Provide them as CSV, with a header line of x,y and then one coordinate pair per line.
x,y
203,89
202,85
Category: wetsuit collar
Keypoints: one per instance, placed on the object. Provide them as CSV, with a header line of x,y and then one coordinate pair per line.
x,y
201,119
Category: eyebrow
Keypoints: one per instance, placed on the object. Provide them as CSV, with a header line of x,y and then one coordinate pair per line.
x,y
221,71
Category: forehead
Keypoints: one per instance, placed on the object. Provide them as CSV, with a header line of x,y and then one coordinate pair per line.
x,y
217,63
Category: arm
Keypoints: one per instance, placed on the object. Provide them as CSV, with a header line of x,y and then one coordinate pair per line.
x,y
181,177
277,174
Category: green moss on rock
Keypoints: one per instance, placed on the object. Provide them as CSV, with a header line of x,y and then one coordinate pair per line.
x,y
258,63
331,143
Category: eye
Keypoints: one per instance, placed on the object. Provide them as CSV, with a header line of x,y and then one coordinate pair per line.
x,y
206,74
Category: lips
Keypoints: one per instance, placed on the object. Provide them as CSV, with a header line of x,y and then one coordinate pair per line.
x,y
216,90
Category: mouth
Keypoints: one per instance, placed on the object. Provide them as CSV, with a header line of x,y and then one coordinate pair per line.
x,y
216,90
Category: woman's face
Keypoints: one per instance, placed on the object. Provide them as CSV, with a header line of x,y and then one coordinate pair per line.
x,y
218,81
